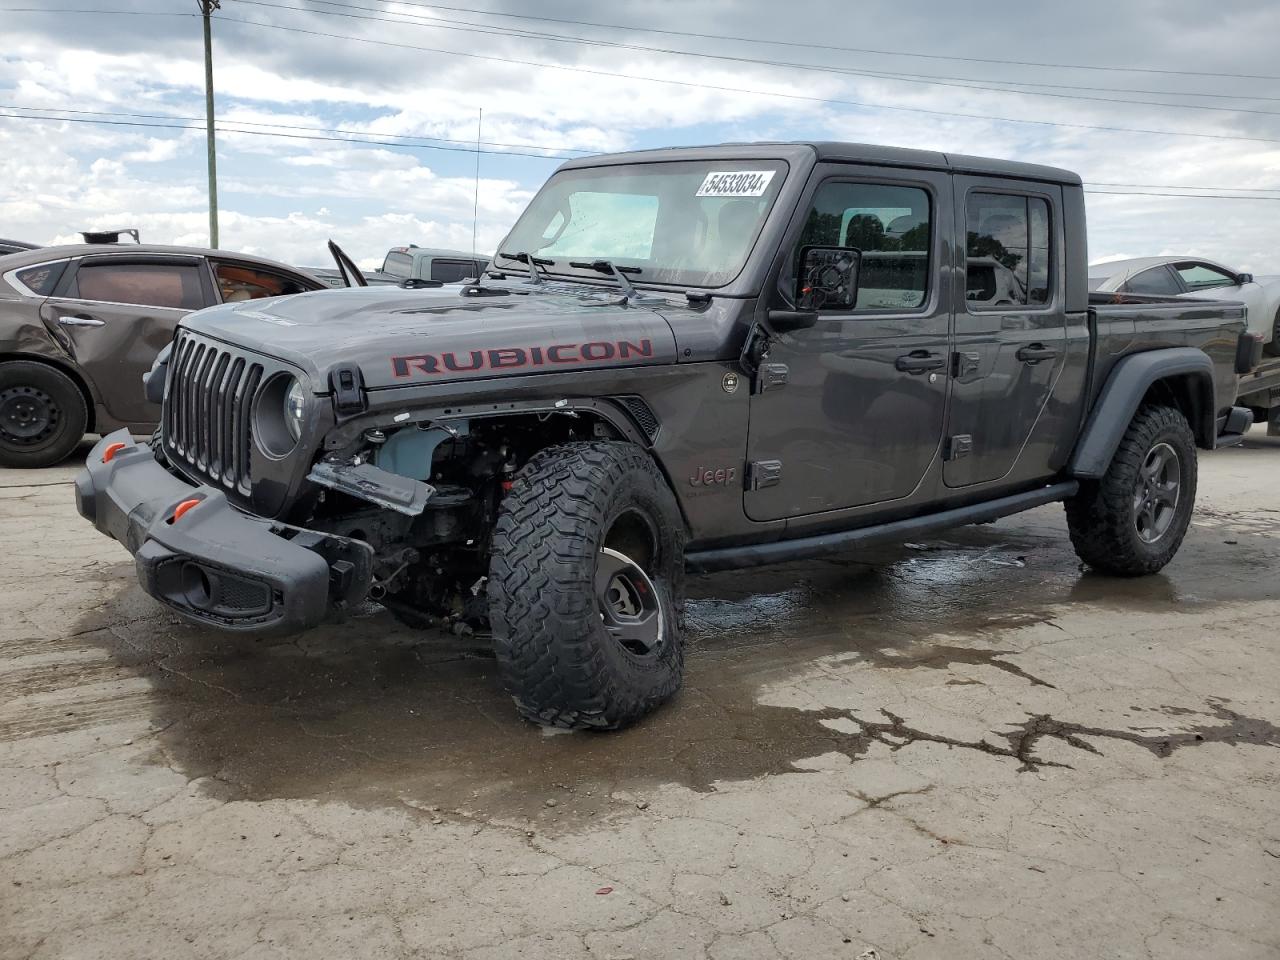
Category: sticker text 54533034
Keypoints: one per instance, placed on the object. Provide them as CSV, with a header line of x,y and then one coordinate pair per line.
x,y
735,183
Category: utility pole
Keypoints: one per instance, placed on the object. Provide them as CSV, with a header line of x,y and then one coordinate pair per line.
x,y
206,9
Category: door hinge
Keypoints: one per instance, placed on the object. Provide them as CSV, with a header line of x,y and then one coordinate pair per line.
x,y
765,473
965,364
771,376
961,445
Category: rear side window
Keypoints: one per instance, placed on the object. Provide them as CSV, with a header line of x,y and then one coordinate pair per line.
x,y
398,265
1157,282
41,279
1007,251
889,224
453,271
237,283
147,284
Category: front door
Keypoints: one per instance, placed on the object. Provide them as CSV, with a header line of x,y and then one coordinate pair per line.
x,y
860,417
1010,326
113,314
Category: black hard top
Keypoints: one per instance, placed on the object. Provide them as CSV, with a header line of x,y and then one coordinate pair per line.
x,y
841,153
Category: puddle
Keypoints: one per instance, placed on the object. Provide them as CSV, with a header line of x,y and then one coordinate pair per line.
x,y
373,713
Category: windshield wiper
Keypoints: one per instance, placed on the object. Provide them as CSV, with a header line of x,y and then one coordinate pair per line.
x,y
629,292
535,275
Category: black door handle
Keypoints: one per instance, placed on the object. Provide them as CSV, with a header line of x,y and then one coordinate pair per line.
x,y
918,361
1035,353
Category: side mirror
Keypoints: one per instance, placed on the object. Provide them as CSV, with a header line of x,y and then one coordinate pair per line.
x,y
1243,278
828,278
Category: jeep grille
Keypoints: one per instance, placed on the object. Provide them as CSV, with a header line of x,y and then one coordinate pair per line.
x,y
207,410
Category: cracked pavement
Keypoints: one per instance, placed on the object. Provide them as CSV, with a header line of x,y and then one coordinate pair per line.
x,y
963,747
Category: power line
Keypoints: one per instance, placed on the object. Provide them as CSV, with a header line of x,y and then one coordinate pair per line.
x,y
1174,186
964,83
472,150
267,133
1187,196
758,93
833,47
291,126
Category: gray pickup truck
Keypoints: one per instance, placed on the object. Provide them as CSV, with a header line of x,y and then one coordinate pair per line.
x,y
679,359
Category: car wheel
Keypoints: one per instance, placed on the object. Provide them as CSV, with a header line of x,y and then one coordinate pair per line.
x,y
43,414
1132,521
586,587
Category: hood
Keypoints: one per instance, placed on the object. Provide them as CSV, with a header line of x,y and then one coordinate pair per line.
x,y
401,337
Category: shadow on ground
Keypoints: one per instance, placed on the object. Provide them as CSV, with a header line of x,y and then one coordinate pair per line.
x,y
374,713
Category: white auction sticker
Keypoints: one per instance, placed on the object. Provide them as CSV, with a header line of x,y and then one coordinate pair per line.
x,y
735,183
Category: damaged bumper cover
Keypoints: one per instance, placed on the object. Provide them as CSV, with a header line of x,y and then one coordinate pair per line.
x,y
207,560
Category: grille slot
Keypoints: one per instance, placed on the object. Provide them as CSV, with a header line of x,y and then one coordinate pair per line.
x,y
207,423
643,415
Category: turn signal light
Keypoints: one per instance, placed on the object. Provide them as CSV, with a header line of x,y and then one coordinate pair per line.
x,y
112,450
182,508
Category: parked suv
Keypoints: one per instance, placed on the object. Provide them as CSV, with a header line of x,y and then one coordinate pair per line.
x,y
700,358
81,324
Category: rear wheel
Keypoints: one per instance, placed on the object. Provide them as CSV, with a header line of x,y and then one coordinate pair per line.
x,y
1132,521
42,414
585,587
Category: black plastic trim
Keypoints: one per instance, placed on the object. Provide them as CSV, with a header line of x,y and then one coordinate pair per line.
x,y
824,544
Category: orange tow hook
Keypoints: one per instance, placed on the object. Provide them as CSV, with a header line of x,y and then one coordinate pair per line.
x,y
182,508
112,450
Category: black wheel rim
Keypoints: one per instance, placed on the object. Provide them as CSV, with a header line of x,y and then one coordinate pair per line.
x,y
1155,502
630,606
28,416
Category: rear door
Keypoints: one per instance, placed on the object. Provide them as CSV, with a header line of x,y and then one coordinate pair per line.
x,y
860,416
114,313
1010,325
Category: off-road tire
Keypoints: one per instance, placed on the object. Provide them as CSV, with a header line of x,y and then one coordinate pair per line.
x,y
59,404
1273,346
556,658
157,448
1101,517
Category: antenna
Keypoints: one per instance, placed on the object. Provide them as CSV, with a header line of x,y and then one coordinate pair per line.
x,y
475,210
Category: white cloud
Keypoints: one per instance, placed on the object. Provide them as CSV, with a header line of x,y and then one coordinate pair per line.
x,y
285,197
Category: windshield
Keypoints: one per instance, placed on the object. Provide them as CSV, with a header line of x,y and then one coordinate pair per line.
x,y
688,223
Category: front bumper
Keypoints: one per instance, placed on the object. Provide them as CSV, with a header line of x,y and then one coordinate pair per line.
x,y
216,565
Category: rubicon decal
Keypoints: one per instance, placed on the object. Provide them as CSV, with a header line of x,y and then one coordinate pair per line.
x,y
512,358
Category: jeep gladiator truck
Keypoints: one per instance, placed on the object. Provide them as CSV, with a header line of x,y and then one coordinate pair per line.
x,y
679,359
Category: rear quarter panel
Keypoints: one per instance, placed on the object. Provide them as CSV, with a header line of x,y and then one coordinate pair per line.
x,y
1127,325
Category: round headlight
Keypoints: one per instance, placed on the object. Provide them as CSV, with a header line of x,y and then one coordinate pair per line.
x,y
294,408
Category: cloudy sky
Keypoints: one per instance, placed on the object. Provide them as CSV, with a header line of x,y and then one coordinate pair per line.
x,y
298,80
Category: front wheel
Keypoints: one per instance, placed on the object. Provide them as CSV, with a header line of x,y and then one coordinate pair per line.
x,y
42,414
585,587
1132,521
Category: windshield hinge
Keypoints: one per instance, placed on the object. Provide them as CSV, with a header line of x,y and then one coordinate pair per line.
x,y
347,386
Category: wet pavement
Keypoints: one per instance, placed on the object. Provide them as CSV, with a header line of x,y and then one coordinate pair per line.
x,y
962,747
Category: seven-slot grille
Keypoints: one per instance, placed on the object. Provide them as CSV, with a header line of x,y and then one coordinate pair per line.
x,y
208,410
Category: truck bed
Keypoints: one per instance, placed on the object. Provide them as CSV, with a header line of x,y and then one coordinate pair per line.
x,y
1260,391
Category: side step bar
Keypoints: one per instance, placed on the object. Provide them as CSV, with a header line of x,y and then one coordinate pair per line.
x,y
824,544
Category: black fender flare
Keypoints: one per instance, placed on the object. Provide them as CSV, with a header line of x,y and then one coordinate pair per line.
x,y
1121,395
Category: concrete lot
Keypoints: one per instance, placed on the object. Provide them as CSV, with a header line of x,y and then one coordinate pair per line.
x,y
963,748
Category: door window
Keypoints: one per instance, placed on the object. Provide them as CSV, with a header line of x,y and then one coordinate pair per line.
x,y
453,271
1007,251
1156,282
1201,276
237,283
175,285
890,225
